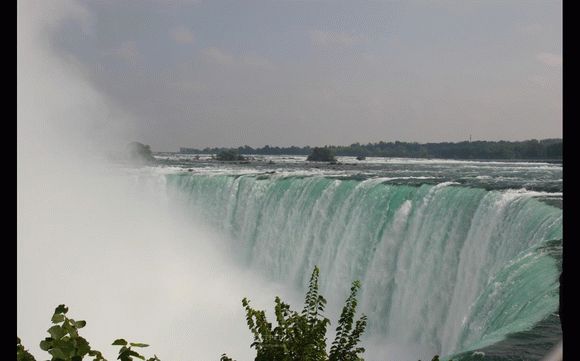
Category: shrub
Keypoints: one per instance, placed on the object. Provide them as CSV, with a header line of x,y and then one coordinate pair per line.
x,y
321,155
302,336
298,336
65,344
139,153
229,155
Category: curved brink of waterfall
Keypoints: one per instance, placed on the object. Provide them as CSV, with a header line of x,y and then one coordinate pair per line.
x,y
445,266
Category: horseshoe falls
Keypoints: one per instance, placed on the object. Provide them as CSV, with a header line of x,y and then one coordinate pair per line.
x,y
462,264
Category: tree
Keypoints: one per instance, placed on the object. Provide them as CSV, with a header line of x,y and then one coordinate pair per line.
x,y
139,153
321,155
302,336
229,155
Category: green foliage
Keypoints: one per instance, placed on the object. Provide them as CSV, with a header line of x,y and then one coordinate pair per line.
x,y
302,336
229,155
321,155
65,344
298,336
344,346
21,353
126,353
139,153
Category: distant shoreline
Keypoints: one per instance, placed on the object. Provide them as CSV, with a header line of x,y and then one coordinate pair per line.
x,y
550,160
544,150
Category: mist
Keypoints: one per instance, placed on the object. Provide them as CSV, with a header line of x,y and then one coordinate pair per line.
x,y
91,237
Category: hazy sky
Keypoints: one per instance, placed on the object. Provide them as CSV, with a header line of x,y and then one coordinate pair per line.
x,y
230,73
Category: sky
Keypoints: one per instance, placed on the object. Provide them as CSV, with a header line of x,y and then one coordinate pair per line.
x,y
286,72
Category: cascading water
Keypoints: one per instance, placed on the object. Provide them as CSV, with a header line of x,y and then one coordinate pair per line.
x,y
443,266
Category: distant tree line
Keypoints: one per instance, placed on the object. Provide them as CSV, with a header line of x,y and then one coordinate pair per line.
x,y
528,149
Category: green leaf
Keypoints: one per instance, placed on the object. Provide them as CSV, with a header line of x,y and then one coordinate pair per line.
x,y
57,318
57,352
61,309
82,346
125,355
56,332
80,324
73,333
46,344
69,327
66,346
119,342
136,344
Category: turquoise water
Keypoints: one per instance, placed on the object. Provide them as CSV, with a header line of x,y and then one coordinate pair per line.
x,y
447,266
444,266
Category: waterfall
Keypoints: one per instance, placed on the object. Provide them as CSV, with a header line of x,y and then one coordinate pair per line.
x,y
444,266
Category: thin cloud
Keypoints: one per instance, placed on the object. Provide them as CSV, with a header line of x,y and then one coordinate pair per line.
x,y
545,80
175,2
539,80
257,61
218,56
127,51
223,57
550,59
182,35
530,29
331,38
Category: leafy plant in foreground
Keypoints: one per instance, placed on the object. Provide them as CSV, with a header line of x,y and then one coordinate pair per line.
x,y
302,336
297,336
344,345
127,354
65,344
21,353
